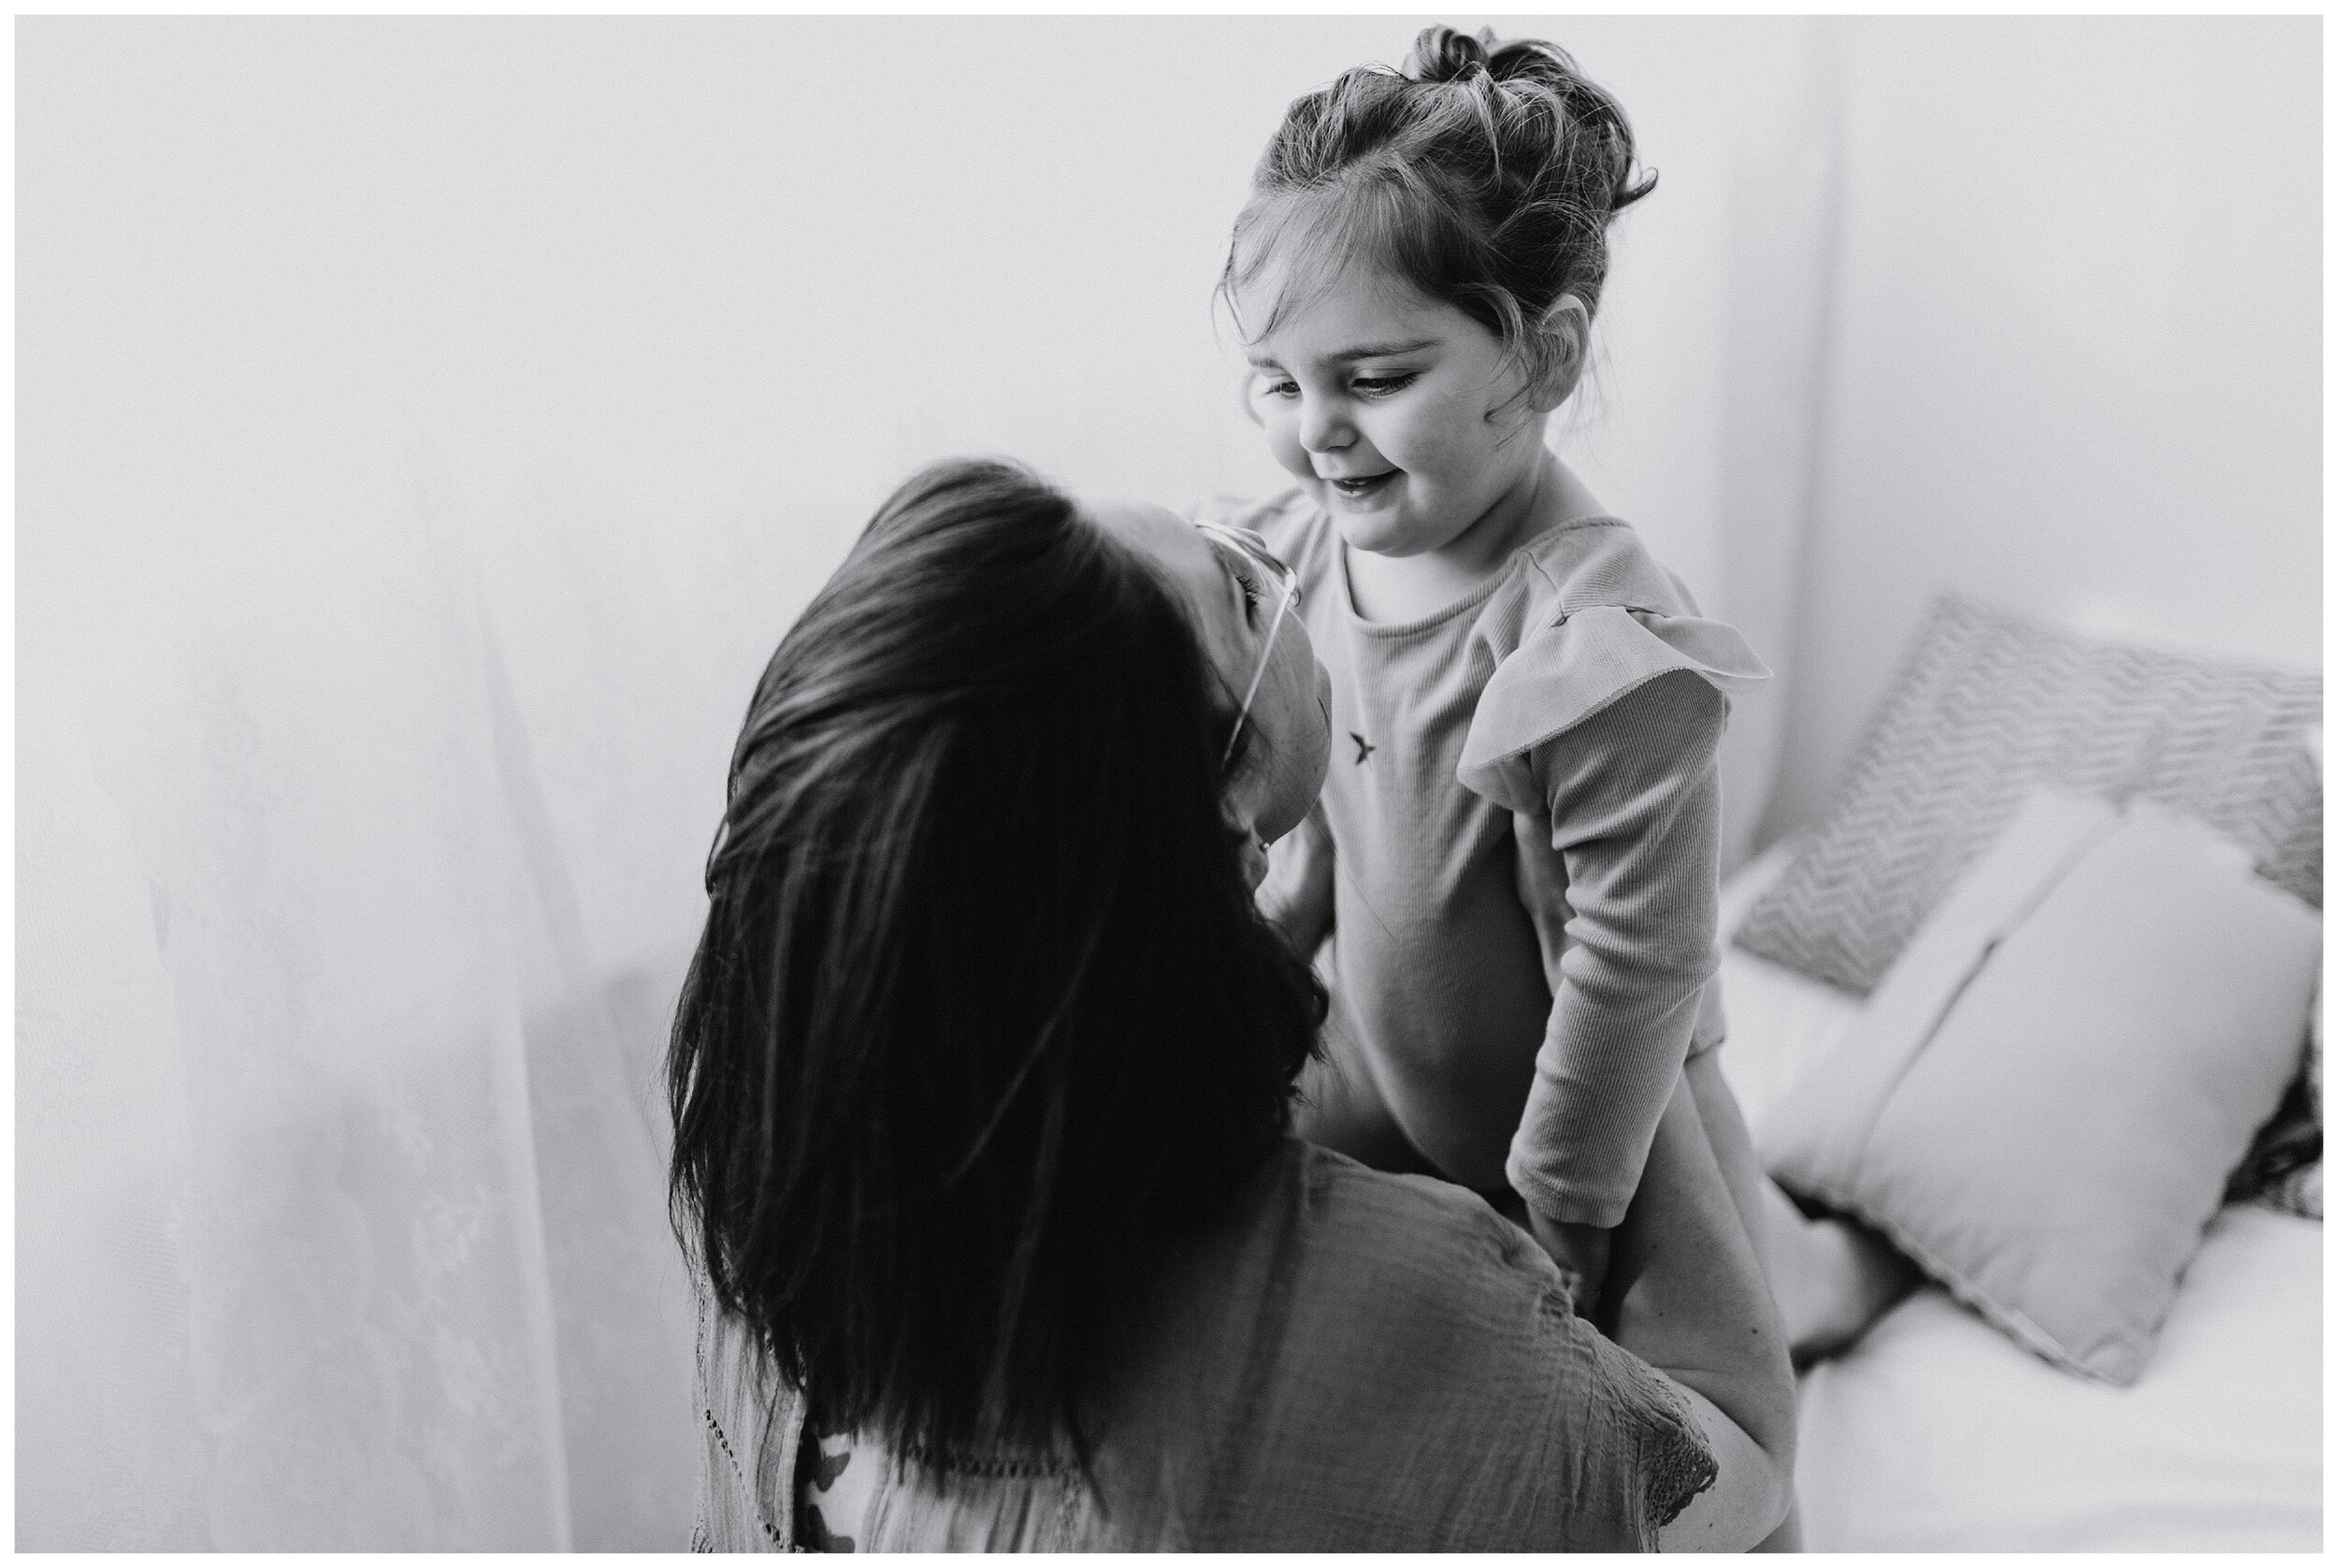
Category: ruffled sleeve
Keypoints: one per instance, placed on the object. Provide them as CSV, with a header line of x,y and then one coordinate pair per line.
x,y
1669,1458
1568,671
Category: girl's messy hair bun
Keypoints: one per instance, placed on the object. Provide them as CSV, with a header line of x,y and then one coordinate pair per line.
x,y
1484,173
1604,140
1448,54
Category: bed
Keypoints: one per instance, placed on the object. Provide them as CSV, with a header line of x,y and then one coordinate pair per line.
x,y
1937,1433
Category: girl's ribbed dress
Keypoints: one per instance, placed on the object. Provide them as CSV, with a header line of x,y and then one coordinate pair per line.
x,y
1519,841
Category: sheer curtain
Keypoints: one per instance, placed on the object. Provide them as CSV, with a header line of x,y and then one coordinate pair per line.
x,y
426,429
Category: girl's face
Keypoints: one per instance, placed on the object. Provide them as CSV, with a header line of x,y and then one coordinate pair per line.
x,y
1400,414
1234,610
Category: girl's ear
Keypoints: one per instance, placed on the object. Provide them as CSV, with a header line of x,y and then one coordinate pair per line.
x,y
1566,325
1246,392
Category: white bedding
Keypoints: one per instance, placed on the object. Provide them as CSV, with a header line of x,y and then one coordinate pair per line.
x,y
1938,1433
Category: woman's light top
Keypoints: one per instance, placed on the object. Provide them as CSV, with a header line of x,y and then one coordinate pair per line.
x,y
1348,1362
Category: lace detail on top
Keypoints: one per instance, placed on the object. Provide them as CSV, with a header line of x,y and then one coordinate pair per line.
x,y
834,1494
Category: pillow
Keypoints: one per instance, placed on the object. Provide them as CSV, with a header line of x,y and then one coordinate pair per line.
x,y
2043,1102
1989,703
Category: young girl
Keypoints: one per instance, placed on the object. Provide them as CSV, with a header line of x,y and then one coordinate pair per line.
x,y
1518,842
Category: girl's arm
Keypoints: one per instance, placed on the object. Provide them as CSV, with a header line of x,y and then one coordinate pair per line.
x,y
1626,863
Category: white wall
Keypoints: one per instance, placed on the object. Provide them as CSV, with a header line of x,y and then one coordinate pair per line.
x,y
2075,360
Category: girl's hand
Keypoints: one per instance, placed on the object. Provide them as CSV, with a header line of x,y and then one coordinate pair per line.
x,y
1580,1251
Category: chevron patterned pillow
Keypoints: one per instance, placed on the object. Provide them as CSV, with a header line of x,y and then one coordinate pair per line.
x,y
1988,703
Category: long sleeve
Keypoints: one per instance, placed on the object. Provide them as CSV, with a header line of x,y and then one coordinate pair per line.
x,y
1624,859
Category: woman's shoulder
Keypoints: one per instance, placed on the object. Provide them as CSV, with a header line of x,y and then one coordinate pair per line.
x,y
1353,1213
1549,1383
1358,1361
1349,1230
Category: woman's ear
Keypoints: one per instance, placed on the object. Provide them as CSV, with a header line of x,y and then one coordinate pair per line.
x,y
1252,848
1566,326
1254,862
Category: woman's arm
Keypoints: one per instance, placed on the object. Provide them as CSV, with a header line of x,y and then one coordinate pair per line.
x,y
1747,1500
1687,1296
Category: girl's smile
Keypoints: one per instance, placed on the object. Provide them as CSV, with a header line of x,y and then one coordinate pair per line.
x,y
1369,488
1405,418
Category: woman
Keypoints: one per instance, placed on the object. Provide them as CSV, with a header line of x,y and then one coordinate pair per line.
x,y
981,1082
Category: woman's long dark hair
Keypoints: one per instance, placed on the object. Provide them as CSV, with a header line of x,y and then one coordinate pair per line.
x,y
983,1017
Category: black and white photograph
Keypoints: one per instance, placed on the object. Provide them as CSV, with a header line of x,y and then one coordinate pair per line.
x,y
1238,783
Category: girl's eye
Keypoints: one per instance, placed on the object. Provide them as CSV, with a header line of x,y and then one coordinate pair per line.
x,y
1382,386
1281,389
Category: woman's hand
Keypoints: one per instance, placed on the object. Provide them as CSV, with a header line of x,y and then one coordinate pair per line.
x,y
1580,1251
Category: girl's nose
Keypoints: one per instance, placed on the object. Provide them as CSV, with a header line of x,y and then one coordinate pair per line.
x,y
1322,427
